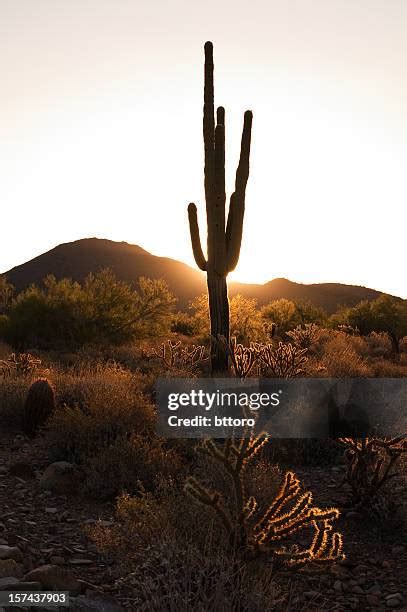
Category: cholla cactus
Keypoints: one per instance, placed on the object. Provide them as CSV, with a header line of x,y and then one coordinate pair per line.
x,y
253,533
244,359
23,363
285,361
304,337
371,463
175,356
39,406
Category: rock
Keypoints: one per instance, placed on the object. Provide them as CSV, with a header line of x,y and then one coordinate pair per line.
x,y
398,550
25,586
51,510
375,589
372,600
80,561
57,560
395,595
7,582
95,603
54,577
340,571
61,477
3,470
393,602
388,564
10,552
22,469
9,567
338,586
357,589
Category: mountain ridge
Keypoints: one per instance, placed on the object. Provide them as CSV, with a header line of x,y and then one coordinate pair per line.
x,y
78,258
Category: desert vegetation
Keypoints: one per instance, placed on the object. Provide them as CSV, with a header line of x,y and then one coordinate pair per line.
x,y
247,523
232,525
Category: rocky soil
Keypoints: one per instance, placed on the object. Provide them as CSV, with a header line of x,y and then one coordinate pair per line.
x,y
43,544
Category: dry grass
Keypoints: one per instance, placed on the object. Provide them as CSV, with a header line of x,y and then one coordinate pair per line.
x,y
96,407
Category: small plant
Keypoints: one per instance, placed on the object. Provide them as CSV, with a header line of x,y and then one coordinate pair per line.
x,y
371,463
286,361
175,356
304,337
253,531
39,406
20,364
243,358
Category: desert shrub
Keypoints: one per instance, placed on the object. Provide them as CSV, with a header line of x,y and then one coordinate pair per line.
x,y
379,345
88,382
283,313
304,337
179,579
339,358
128,464
246,322
371,464
384,368
307,313
183,323
94,410
385,314
166,559
101,310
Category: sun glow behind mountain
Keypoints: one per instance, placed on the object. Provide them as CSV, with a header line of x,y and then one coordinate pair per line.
x,y
101,131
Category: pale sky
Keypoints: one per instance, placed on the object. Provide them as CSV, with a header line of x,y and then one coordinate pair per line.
x,y
101,129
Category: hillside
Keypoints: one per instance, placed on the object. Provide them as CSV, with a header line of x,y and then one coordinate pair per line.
x,y
76,259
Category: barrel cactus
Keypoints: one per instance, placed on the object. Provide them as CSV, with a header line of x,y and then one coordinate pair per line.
x,y
39,406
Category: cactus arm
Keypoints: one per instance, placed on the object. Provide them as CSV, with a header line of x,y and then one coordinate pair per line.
x,y
218,240
209,126
220,160
234,227
195,238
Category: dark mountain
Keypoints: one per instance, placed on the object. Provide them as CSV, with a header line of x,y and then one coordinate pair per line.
x,y
77,259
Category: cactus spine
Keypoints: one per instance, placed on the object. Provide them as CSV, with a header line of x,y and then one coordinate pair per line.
x,y
39,406
223,244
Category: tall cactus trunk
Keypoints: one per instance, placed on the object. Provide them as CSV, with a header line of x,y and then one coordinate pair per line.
x,y
223,243
219,315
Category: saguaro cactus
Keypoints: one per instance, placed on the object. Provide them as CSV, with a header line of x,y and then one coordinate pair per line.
x,y
223,243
